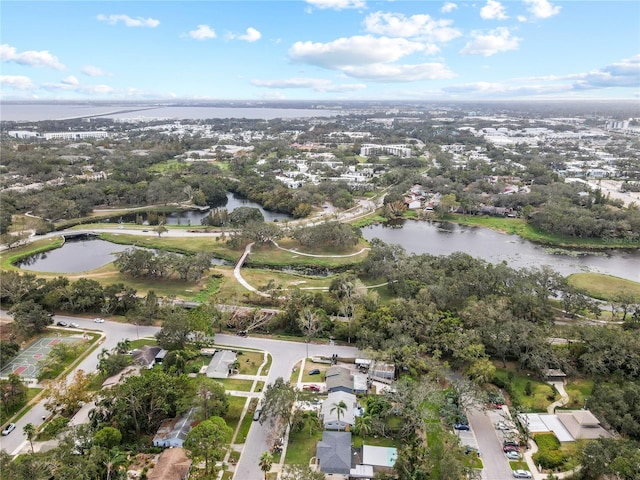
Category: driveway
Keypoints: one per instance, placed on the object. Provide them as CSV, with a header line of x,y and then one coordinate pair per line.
x,y
496,465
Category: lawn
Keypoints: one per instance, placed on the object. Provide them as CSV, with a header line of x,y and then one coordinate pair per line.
x,y
604,287
249,362
375,441
295,373
516,386
302,446
247,421
236,384
578,390
308,366
232,417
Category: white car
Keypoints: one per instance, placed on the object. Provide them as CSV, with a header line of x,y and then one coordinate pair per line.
x,y
9,428
74,325
512,455
522,474
98,320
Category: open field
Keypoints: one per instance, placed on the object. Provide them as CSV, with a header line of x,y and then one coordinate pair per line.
x,y
604,287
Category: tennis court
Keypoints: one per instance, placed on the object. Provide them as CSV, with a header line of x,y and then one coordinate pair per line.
x,y
26,363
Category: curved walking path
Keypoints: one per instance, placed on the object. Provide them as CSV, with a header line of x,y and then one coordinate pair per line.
x,y
320,256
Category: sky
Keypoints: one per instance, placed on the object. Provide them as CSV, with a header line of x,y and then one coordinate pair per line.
x,y
320,50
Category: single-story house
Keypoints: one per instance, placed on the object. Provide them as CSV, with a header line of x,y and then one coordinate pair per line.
x,y
220,365
145,356
173,432
347,417
339,379
333,452
172,464
360,383
566,425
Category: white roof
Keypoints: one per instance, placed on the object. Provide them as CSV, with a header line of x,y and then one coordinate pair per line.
x,y
379,456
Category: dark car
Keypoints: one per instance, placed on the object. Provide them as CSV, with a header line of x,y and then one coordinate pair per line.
x,y
510,448
512,443
315,371
62,323
462,426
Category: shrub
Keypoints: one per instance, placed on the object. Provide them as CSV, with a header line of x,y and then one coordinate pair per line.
x,y
549,459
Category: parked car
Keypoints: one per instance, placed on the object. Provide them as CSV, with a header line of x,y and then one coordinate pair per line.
x,y
512,443
522,474
502,426
256,414
311,388
462,426
510,448
62,323
314,371
513,455
98,320
8,429
74,325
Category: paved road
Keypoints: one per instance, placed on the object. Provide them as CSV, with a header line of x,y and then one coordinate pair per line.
x,y
284,355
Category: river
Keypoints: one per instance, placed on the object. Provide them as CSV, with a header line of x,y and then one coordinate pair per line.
x,y
443,238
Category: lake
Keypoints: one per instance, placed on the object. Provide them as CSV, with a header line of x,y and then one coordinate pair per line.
x,y
233,201
443,238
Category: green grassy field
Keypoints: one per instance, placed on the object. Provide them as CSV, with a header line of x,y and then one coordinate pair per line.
x,y
537,401
604,287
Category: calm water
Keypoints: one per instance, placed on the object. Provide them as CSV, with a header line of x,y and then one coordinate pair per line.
x,y
75,256
36,112
446,238
233,201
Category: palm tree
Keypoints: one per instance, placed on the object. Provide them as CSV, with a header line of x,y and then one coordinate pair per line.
x,y
114,460
266,461
364,425
30,431
339,408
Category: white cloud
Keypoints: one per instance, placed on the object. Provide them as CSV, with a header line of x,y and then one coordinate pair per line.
x,y
493,10
521,18
353,51
203,32
415,26
504,90
399,73
72,84
31,58
448,7
337,4
92,71
621,74
495,41
542,8
317,84
71,81
252,35
128,21
18,82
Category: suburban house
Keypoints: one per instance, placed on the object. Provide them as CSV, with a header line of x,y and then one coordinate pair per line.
x,y
146,356
220,365
333,453
339,379
329,412
172,464
566,425
172,432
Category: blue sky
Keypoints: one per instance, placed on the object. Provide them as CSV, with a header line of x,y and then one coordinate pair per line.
x,y
320,50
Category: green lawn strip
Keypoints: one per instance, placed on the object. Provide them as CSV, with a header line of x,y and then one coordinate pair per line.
x,y
247,421
518,465
295,373
518,226
259,278
267,366
309,365
375,441
302,446
604,287
9,257
141,342
235,384
232,417
250,362
537,401
578,391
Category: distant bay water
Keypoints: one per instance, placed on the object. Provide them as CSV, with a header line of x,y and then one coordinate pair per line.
x,y
32,112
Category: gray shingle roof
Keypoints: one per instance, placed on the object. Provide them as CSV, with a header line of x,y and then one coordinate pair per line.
x,y
334,452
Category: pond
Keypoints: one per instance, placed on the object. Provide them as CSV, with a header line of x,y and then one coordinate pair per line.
x,y
80,255
75,256
443,238
193,217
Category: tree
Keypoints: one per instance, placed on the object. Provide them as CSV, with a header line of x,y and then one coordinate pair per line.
x,y
175,330
160,229
208,440
30,318
107,437
13,392
266,461
211,397
113,461
30,431
340,408
278,401
67,396
309,323
300,472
